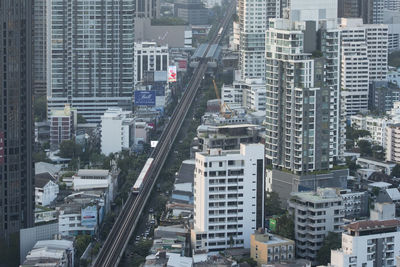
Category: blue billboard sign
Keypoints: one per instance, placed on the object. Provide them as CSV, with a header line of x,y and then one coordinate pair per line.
x,y
89,216
145,98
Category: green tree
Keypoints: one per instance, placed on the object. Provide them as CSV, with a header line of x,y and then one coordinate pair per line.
x,y
375,191
285,226
396,171
331,241
143,247
81,119
81,243
40,157
69,149
40,108
249,261
273,204
394,59
378,152
365,148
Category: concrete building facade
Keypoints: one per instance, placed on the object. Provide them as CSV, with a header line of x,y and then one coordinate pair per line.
x,y
302,125
16,120
368,243
117,131
315,214
267,248
90,55
148,56
228,197
364,50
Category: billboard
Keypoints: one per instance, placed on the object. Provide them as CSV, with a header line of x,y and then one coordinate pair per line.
x,y
182,64
145,98
89,216
171,74
272,224
1,148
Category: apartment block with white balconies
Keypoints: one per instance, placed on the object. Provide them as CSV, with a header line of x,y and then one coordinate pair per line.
x,y
303,109
228,197
369,243
364,49
315,215
393,143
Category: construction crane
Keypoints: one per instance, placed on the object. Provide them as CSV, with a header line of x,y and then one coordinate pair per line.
x,y
222,106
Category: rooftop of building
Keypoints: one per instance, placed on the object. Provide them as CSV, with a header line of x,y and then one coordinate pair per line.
x,y
186,173
62,112
270,239
369,225
42,179
393,193
295,263
379,184
42,167
92,173
321,195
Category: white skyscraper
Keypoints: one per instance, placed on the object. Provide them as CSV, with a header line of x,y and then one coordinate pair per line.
x,y
90,55
364,49
252,23
228,197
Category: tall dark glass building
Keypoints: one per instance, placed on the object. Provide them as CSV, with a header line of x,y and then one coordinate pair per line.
x,y
16,131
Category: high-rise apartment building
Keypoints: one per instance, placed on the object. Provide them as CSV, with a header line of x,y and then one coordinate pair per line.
x,y
16,122
91,55
371,11
315,215
147,9
228,197
252,23
392,5
364,50
302,92
39,47
369,243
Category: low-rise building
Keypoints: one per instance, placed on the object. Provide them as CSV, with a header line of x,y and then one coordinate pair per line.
x,y
383,211
117,131
249,94
81,214
86,180
375,125
267,248
381,166
368,243
315,215
46,189
58,253
355,203
62,124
